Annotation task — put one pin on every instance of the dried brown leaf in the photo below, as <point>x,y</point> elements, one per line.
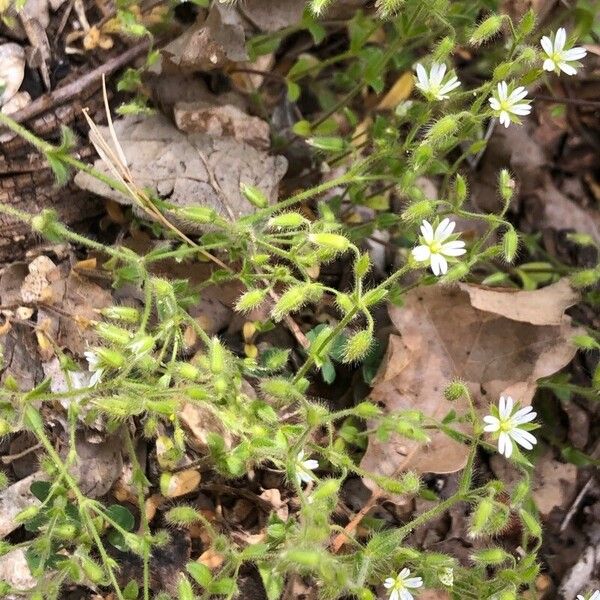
<point>443,337</point>
<point>161,157</point>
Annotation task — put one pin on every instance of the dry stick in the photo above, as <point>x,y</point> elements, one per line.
<point>63,94</point>
<point>340,539</point>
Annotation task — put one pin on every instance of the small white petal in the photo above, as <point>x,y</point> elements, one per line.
<point>452,249</point>
<point>574,53</point>
<point>549,65</point>
<point>437,73</point>
<point>524,415</point>
<point>566,68</point>
<point>427,231</point>
<point>510,404</point>
<point>502,90</point>
<point>494,103</point>
<point>405,572</point>
<point>389,582</point>
<point>508,446</point>
<point>444,230</point>
<point>521,109</point>
<point>406,595</point>
<point>595,595</point>
<point>491,419</point>
<point>442,263</point>
<point>517,94</point>
<point>311,464</point>
<point>546,43</point>
<point>504,118</point>
<point>560,39</point>
<point>395,595</point>
<point>422,76</point>
<point>524,438</point>
<point>421,253</point>
<point>413,582</point>
<point>502,442</point>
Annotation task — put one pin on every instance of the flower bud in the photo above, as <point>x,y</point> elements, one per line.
<point>585,278</point>
<point>417,211</point>
<point>254,196</point>
<point>486,30</point>
<point>362,265</point>
<point>358,346</point>
<point>333,241</point>
<point>345,302</point>
<point>444,49</point>
<point>443,129</point>
<point>294,298</point>
<point>510,244</point>
<point>481,516</point>
<point>114,334</point>
<point>289,220</point>
<point>506,185</point>
<point>581,239</point>
<point>422,155</point>
<point>279,388</point>
<point>26,514</point>
<point>93,571</point>
<point>328,144</point>
<point>491,556</point>
<point>374,296</point>
<point>456,390</point>
<point>456,273</point>
<point>110,358</point>
<point>184,588</point>
<point>318,6</point>
<point>198,214</point>
<point>310,559</point>
<point>187,371</point>
<point>121,313</point>
<point>250,300</point>
<point>217,356</point>
<point>460,189</point>
<point>531,523</point>
<point>366,410</point>
<point>585,342</point>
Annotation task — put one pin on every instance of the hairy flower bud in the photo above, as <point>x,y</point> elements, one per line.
<point>358,346</point>
<point>121,313</point>
<point>510,244</point>
<point>332,241</point>
<point>486,30</point>
<point>417,211</point>
<point>288,220</point>
<point>250,300</point>
<point>254,196</point>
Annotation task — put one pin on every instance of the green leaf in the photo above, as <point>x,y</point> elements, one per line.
<point>273,582</point>
<point>200,573</point>
<point>121,516</point>
<point>40,489</point>
<point>328,371</point>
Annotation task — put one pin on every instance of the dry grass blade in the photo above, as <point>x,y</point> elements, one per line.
<point>116,161</point>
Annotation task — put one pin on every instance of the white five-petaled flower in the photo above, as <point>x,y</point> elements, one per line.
<point>304,468</point>
<point>94,366</point>
<point>433,84</point>
<point>557,58</point>
<point>594,596</point>
<point>508,424</point>
<point>400,585</point>
<point>434,247</point>
<point>509,107</point>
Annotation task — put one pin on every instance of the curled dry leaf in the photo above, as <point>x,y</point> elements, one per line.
<point>272,15</point>
<point>12,70</point>
<point>211,45</point>
<point>161,157</point>
<point>493,340</point>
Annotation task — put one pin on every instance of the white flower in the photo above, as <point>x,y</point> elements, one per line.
<point>594,596</point>
<point>94,366</point>
<point>304,468</point>
<point>557,58</point>
<point>509,106</point>
<point>399,585</point>
<point>432,84</point>
<point>508,424</point>
<point>434,247</point>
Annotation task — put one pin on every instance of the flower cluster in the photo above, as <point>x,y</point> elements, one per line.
<point>508,102</point>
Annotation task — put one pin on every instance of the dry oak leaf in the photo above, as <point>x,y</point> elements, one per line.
<point>493,339</point>
<point>272,15</point>
<point>162,158</point>
<point>212,44</point>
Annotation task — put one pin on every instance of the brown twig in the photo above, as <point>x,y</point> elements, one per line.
<point>63,94</point>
